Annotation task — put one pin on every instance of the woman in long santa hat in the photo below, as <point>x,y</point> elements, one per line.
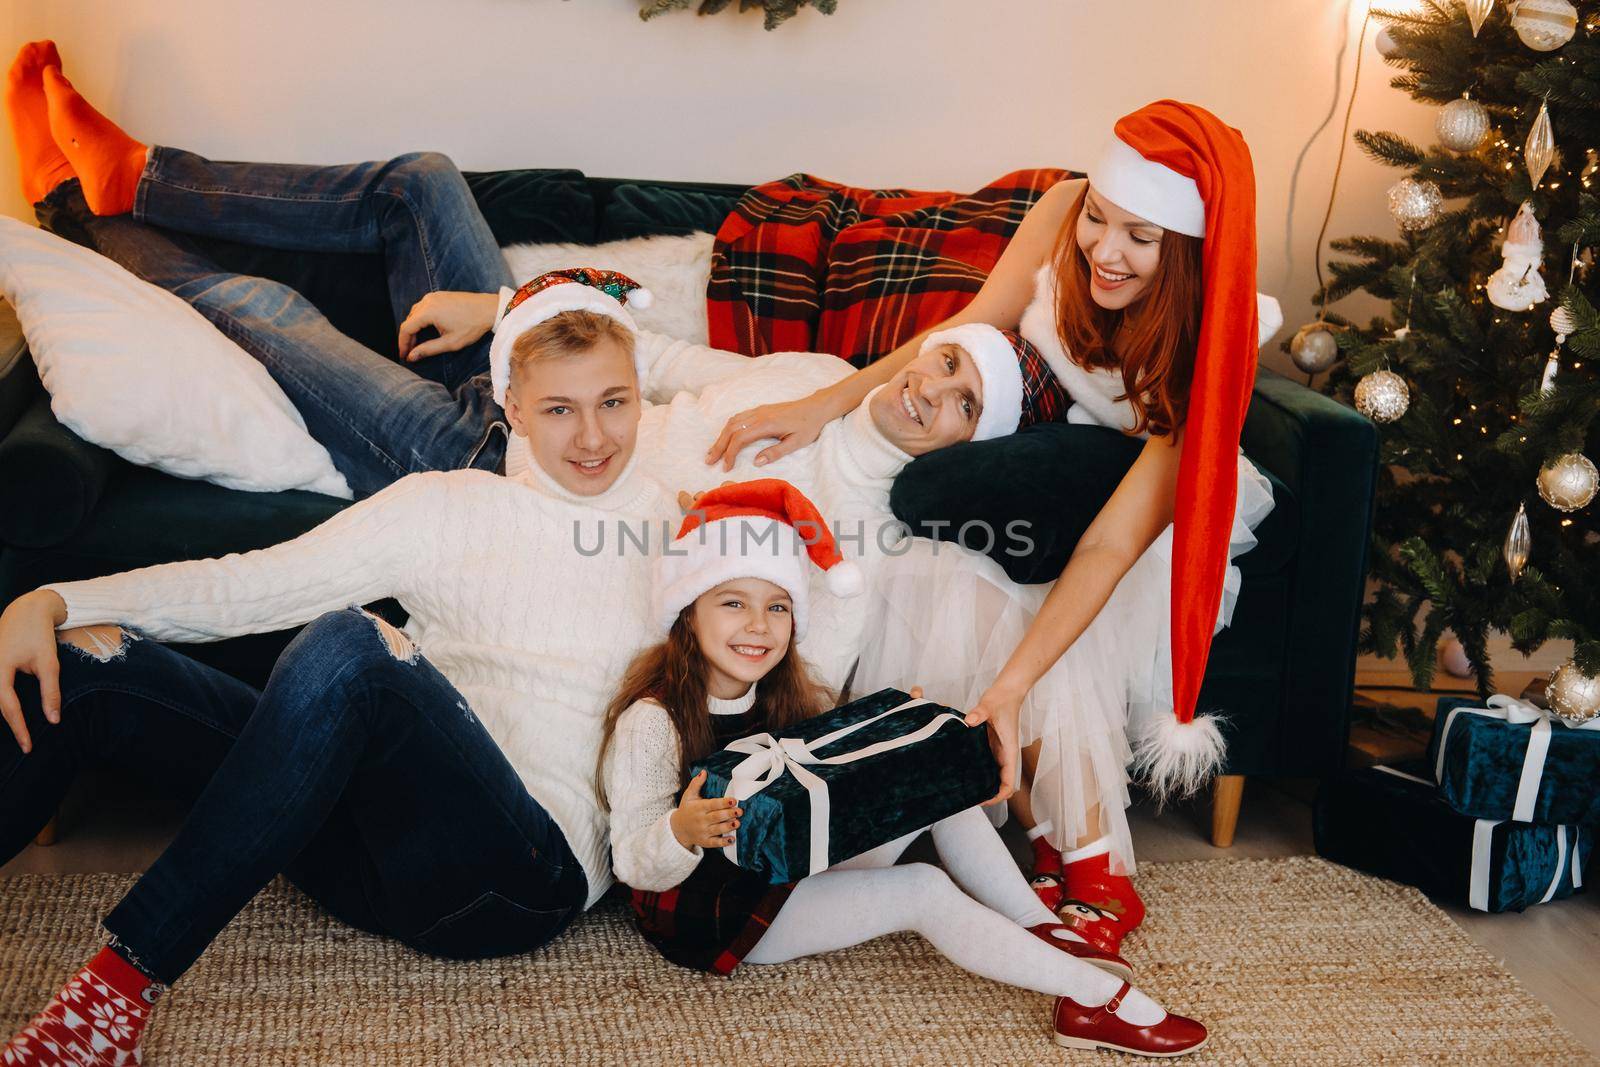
<point>1138,288</point>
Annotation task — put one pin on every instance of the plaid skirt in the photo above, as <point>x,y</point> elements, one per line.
<point>712,920</point>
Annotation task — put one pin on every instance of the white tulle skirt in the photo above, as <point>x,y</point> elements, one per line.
<point>947,619</point>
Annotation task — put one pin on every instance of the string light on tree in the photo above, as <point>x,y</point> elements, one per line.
<point>1415,205</point>
<point>1462,124</point>
<point>1544,25</point>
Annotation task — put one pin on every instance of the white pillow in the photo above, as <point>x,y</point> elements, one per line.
<point>131,367</point>
<point>675,269</point>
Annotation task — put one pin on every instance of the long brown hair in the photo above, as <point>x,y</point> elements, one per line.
<point>1153,339</point>
<point>673,674</point>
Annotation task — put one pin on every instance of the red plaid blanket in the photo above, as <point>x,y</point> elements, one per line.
<point>804,264</point>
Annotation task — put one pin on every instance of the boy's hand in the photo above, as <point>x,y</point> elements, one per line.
<point>460,319</point>
<point>704,822</point>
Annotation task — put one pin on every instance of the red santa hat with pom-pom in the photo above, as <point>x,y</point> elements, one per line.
<point>1184,169</point>
<point>760,529</point>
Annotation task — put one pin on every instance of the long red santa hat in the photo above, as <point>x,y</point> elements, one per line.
<point>1182,168</point>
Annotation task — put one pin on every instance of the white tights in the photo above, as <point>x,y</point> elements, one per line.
<point>984,932</point>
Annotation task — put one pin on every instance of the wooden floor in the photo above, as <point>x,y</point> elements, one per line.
<point>1552,949</point>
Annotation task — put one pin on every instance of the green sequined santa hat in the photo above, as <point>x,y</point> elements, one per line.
<point>605,292</point>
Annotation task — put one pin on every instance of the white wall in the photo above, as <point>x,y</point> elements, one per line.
<point>921,93</point>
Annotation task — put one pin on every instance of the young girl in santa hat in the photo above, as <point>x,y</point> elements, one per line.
<point>731,600</point>
<point>1138,288</point>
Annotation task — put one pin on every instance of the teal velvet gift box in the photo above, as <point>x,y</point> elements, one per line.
<point>1489,765</point>
<point>848,781</point>
<point>1389,821</point>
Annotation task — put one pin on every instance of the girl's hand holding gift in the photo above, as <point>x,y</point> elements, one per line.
<point>1000,710</point>
<point>704,822</point>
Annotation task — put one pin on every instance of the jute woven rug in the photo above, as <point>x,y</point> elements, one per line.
<point>1291,961</point>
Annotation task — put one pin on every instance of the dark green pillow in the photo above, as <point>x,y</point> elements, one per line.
<point>50,479</point>
<point>647,210</point>
<point>538,206</point>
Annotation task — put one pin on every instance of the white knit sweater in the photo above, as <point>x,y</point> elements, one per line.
<point>532,632</point>
<point>847,472</point>
<point>641,777</point>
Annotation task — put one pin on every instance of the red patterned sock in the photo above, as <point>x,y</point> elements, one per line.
<point>96,1020</point>
<point>1046,859</point>
<point>1087,876</point>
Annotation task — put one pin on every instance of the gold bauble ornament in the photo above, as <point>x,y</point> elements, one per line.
<point>1314,348</point>
<point>1568,482</point>
<point>1540,150</point>
<point>1545,25</point>
<point>1574,697</point>
<point>1382,396</point>
<point>1462,124</point>
<point>1477,12</point>
<point>1415,205</point>
<point>1519,543</point>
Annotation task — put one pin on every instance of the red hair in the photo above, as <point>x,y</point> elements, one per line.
<point>1153,340</point>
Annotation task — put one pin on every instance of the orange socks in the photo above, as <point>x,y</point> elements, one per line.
<point>107,160</point>
<point>43,165</point>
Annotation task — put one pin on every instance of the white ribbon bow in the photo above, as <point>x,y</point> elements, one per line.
<point>768,758</point>
<point>1517,713</point>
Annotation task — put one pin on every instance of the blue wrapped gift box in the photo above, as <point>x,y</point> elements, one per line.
<point>848,781</point>
<point>1389,821</point>
<point>1509,760</point>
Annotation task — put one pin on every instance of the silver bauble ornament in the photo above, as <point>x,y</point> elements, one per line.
<point>1574,698</point>
<point>1545,25</point>
<point>1382,396</point>
<point>1540,150</point>
<point>1562,322</point>
<point>1462,124</point>
<point>1477,11</point>
<point>1519,543</point>
<point>1387,46</point>
<point>1314,348</point>
<point>1453,657</point>
<point>1415,205</point>
<point>1568,482</point>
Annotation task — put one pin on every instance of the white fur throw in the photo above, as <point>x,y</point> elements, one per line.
<point>676,270</point>
<point>132,368</point>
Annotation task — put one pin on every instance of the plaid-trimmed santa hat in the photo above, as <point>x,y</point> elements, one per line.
<point>1179,166</point>
<point>1019,388</point>
<point>758,529</point>
<point>606,292</point>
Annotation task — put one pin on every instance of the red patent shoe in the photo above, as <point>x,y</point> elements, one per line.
<point>1079,1027</point>
<point>1058,936</point>
<point>1099,927</point>
<point>1047,887</point>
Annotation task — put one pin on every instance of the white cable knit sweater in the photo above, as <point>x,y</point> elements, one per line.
<point>847,472</point>
<point>641,777</point>
<point>533,633</point>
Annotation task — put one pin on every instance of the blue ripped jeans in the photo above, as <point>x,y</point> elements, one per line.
<point>359,771</point>
<point>379,419</point>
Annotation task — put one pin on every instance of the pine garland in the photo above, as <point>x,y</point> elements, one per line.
<point>1468,451</point>
<point>777,11</point>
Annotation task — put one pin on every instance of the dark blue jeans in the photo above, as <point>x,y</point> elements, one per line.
<point>359,772</point>
<point>379,419</point>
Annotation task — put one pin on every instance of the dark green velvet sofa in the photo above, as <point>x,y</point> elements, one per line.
<point>1282,673</point>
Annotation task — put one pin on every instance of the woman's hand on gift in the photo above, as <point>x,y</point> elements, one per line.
<point>459,318</point>
<point>704,822</point>
<point>999,709</point>
<point>28,645</point>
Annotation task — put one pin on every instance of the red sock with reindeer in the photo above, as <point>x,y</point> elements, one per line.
<point>1101,906</point>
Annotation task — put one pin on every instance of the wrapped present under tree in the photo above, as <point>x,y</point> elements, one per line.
<point>1511,760</point>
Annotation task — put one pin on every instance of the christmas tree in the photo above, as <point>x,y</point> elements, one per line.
<point>1496,399</point>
